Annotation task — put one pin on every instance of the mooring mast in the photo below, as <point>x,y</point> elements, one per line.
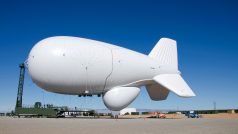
<point>20,85</point>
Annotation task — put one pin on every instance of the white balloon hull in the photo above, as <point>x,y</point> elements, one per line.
<point>71,65</point>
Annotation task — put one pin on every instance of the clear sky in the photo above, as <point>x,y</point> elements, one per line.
<point>206,33</point>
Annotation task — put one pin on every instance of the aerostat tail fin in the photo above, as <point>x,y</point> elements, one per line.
<point>165,52</point>
<point>174,83</point>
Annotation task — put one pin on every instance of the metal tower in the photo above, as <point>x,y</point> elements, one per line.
<point>20,85</point>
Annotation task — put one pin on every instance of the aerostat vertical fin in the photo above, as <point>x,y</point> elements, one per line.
<point>165,53</point>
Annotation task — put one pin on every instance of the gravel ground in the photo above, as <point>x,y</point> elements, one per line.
<point>119,126</point>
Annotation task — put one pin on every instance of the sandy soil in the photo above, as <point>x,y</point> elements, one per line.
<point>220,116</point>
<point>180,116</point>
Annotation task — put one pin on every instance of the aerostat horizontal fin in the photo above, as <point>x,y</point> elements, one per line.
<point>174,83</point>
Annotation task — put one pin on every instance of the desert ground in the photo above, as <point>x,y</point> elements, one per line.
<point>9,125</point>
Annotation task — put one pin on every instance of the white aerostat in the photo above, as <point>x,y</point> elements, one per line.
<point>84,67</point>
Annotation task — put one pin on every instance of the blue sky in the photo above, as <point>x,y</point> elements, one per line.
<point>206,33</point>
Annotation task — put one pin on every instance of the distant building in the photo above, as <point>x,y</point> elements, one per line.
<point>127,111</point>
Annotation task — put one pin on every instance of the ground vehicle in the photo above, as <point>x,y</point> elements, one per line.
<point>161,115</point>
<point>192,114</point>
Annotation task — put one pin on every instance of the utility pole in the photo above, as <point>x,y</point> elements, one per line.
<point>214,106</point>
<point>20,86</point>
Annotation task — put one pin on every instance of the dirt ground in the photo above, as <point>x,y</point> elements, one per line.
<point>180,116</point>
<point>220,116</point>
